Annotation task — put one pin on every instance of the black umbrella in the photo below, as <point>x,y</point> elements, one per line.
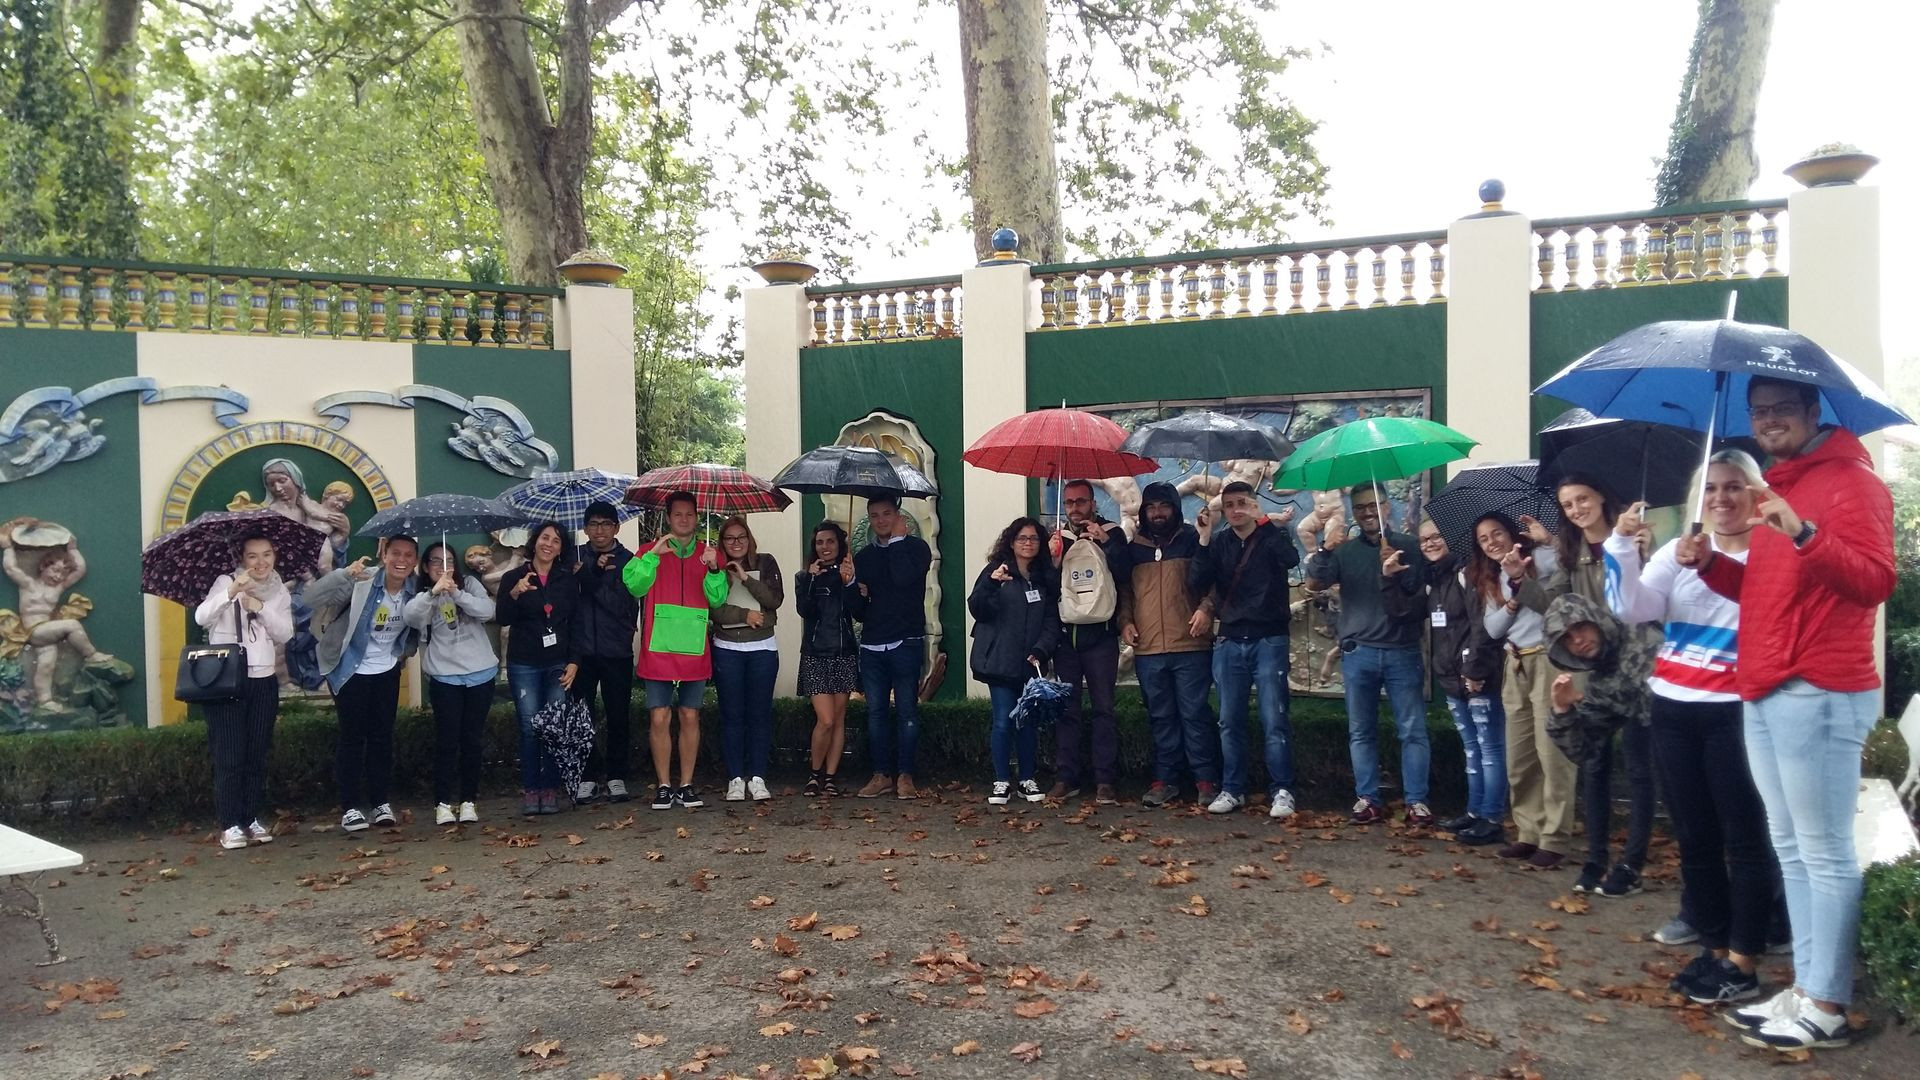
<point>1505,488</point>
<point>853,470</point>
<point>1201,435</point>
<point>1631,459</point>
<point>183,564</point>
<point>447,513</point>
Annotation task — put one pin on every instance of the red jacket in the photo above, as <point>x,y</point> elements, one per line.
<point>1808,613</point>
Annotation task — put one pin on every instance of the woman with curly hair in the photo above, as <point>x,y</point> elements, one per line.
<point>1015,605</point>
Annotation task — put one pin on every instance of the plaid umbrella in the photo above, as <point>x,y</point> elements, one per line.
<point>1507,488</point>
<point>721,489</point>
<point>448,513</point>
<point>565,496</point>
<point>182,565</point>
<point>565,731</point>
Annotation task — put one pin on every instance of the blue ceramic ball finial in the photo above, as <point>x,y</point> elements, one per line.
<point>1006,243</point>
<point>1492,192</point>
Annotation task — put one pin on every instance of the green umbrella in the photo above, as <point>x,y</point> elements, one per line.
<point>1374,449</point>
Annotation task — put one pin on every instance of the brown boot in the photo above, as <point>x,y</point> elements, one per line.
<point>1103,794</point>
<point>876,787</point>
<point>906,789</point>
<point>1061,792</point>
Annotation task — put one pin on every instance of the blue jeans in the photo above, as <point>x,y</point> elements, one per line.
<point>1239,666</point>
<point>892,678</point>
<point>1008,740</point>
<point>744,681</point>
<point>1366,670</point>
<point>1481,721</point>
<point>534,688</point>
<point>1804,746</point>
<point>1186,738</point>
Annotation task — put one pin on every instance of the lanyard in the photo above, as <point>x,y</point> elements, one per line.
<point>541,586</point>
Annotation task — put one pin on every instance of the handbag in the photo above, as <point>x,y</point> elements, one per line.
<point>212,672</point>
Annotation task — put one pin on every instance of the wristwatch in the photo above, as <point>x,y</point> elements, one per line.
<point>1805,535</point>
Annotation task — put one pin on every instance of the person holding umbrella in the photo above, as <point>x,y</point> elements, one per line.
<point>678,581</point>
<point>1090,650</point>
<point>1015,605</point>
<point>535,608</point>
<point>363,640</point>
<point>890,576</point>
<point>1816,573</point>
<point>829,651</point>
<point>251,607</point>
<point>451,613</point>
<point>603,628</point>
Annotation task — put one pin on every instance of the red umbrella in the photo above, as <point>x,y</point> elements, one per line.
<point>721,489</point>
<point>1066,443</point>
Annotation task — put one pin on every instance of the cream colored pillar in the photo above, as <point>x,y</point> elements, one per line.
<point>595,324</point>
<point>776,329</point>
<point>1489,326</point>
<point>993,387</point>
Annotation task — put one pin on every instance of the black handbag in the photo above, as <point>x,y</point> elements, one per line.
<point>212,672</point>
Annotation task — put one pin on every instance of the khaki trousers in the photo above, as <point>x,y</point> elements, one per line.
<point>1542,779</point>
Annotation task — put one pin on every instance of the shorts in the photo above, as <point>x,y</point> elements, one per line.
<point>662,695</point>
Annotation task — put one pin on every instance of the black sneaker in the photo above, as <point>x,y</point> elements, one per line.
<point>1590,877</point>
<point>663,798</point>
<point>688,797</point>
<point>1481,833</point>
<point>1722,983</point>
<point>1689,977</point>
<point>1457,824</point>
<point>1622,880</point>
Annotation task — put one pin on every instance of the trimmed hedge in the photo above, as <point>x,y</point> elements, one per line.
<point>1890,933</point>
<point>163,774</point>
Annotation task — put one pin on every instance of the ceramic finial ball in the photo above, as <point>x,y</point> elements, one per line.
<point>1005,240</point>
<point>1492,192</point>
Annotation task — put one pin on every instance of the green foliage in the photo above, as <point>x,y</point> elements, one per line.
<point>60,189</point>
<point>1890,933</point>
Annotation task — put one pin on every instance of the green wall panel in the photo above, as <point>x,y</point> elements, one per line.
<point>919,381</point>
<point>539,383</point>
<point>97,498</point>
<point>1567,325</point>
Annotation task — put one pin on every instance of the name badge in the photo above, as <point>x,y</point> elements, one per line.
<point>1033,596</point>
<point>1440,620</point>
<point>549,639</point>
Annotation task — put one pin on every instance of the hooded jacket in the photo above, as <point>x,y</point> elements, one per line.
<point>1616,691</point>
<point>1154,596</point>
<point>1808,613</point>
<point>1008,627</point>
<point>608,614</point>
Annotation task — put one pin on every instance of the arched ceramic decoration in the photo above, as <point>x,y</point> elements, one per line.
<point>48,425</point>
<point>493,432</point>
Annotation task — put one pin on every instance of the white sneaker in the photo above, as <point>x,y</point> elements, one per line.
<point>1807,1027</point>
<point>443,814</point>
<point>234,838</point>
<point>757,788</point>
<point>468,814</point>
<point>584,793</point>
<point>1002,791</point>
<point>259,833</point>
<point>383,815</point>
<point>617,790</point>
<point>736,790</point>
<point>1755,1016</point>
<point>1225,803</point>
<point>353,821</point>
<point>1282,806</point>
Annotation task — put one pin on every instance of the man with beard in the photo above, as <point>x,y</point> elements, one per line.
<point>1089,653</point>
<point>1173,664</point>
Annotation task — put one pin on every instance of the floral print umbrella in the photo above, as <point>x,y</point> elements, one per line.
<point>182,565</point>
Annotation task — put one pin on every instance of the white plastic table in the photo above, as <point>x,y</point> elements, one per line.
<point>22,855</point>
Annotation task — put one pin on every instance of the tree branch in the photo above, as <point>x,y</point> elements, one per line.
<point>380,59</point>
<point>601,13</point>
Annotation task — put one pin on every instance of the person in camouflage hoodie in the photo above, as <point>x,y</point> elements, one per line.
<point>1584,637</point>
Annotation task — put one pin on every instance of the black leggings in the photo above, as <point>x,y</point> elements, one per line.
<point>459,721</point>
<point>240,735</point>
<point>1596,797</point>
<point>1726,858</point>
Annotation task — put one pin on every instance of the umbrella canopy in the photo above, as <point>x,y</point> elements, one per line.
<point>1694,374</point>
<point>1632,459</point>
<point>722,489</point>
<point>1067,443</point>
<point>447,513</point>
<point>182,565</point>
<point>853,470</point>
<point>1208,436</point>
<point>1042,700</point>
<point>1373,449</point>
<point>564,729</point>
<point>1505,488</point>
<point>565,496</point>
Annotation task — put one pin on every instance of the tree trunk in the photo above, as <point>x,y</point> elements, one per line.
<point>1011,170</point>
<point>535,164</point>
<point>1710,157</point>
<point>118,59</point>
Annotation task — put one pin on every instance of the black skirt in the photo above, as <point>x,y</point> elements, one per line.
<point>828,675</point>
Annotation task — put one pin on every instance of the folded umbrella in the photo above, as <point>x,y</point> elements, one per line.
<point>564,730</point>
<point>721,489</point>
<point>1503,488</point>
<point>1370,450</point>
<point>182,565</point>
<point>1042,700</point>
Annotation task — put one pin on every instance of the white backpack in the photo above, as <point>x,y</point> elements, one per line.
<point>1086,585</point>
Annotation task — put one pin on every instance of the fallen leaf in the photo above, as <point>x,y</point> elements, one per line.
<point>681,833</point>
<point>971,1046</point>
<point>575,839</point>
<point>260,1055</point>
<point>760,902</point>
<point>200,931</point>
<point>1035,1009</point>
<point>841,933</point>
<point>775,1031</point>
<point>543,1050</point>
<point>1401,1052</point>
<point>642,1040</point>
<point>785,945</point>
<point>1234,1067</point>
<point>800,924</point>
<point>1027,1052</point>
<point>1298,1023</point>
<point>1572,905</point>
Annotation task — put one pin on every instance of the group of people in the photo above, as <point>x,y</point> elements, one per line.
<point>1546,649</point>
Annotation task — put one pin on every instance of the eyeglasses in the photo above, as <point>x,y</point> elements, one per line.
<point>1366,509</point>
<point>734,538</point>
<point>1026,539</point>
<point>1429,541</point>
<point>602,523</point>
<point>1781,410</point>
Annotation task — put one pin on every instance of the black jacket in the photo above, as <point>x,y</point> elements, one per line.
<point>1457,642</point>
<point>825,613</point>
<point>1087,635</point>
<point>529,619</point>
<point>603,625</point>
<point>1260,605</point>
<point>1008,627</point>
<point>894,607</point>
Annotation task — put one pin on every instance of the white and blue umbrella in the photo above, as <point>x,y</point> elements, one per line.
<point>565,496</point>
